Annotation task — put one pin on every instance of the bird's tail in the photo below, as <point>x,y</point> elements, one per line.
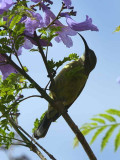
<point>42,129</point>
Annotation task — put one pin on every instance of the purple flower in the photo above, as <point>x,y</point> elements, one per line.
<point>5,5</point>
<point>65,32</point>
<point>27,44</point>
<point>33,23</point>
<point>36,1</point>
<point>42,42</point>
<point>6,69</point>
<point>19,51</point>
<point>47,19</point>
<point>83,26</point>
<point>118,80</point>
<point>67,3</point>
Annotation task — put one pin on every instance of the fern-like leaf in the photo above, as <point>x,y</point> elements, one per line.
<point>75,142</point>
<point>117,29</point>
<point>87,130</point>
<point>102,121</point>
<point>114,112</point>
<point>107,136</point>
<point>15,20</point>
<point>99,124</point>
<point>108,117</point>
<point>97,133</point>
<point>117,141</point>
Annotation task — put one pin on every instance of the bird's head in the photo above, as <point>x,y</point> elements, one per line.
<point>88,57</point>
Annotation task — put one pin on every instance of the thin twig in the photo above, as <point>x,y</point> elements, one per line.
<point>32,139</point>
<point>29,144</point>
<point>16,103</point>
<point>19,61</point>
<point>19,144</point>
<point>47,85</point>
<point>36,38</point>
<point>28,98</point>
<point>56,17</point>
<point>47,52</point>
<point>13,138</point>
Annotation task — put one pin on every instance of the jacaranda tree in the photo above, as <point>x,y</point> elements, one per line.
<point>31,27</point>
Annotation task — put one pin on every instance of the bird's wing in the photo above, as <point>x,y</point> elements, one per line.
<point>67,106</point>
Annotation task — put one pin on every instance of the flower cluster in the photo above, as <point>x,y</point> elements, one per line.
<point>34,21</point>
<point>5,68</point>
<point>5,5</point>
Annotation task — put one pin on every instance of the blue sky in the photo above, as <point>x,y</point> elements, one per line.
<point>100,93</point>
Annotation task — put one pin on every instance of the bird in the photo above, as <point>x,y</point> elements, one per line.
<point>69,84</point>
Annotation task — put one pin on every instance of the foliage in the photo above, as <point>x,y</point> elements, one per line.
<point>21,26</point>
<point>52,64</point>
<point>105,123</point>
<point>10,96</point>
<point>37,122</point>
<point>117,29</point>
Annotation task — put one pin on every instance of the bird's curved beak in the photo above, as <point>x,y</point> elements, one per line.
<point>86,45</point>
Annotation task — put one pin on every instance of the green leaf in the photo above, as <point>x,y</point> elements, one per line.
<point>15,20</point>
<point>19,29</point>
<point>2,22</point>
<point>4,41</point>
<point>94,124</point>
<point>98,120</point>
<point>117,141</point>
<point>34,50</point>
<point>43,115</point>
<point>108,117</point>
<point>3,33</point>
<point>37,122</point>
<point>75,142</point>
<point>73,56</point>
<point>87,130</point>
<point>117,29</point>
<point>97,133</point>
<point>107,136</point>
<point>114,112</point>
<point>19,42</point>
<point>7,49</point>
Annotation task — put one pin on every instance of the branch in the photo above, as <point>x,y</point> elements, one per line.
<point>12,138</point>
<point>60,108</point>
<point>79,135</point>
<point>36,38</point>
<point>32,139</point>
<point>37,86</point>
<point>40,90</point>
<point>56,16</point>
<point>28,98</point>
<point>19,61</point>
<point>29,144</point>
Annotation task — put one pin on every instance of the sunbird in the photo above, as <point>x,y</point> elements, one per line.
<point>69,84</point>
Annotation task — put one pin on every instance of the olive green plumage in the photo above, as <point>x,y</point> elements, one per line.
<point>69,83</point>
